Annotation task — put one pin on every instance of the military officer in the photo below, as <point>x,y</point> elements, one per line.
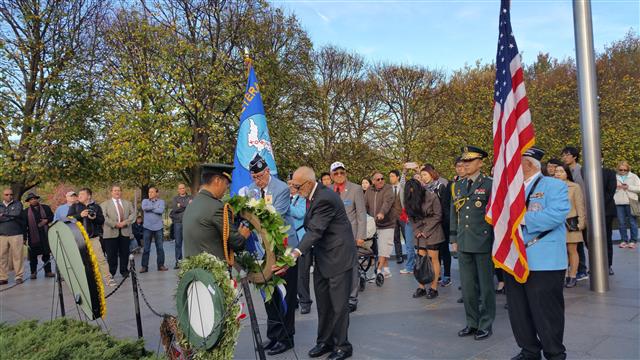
<point>203,220</point>
<point>472,238</point>
<point>536,307</point>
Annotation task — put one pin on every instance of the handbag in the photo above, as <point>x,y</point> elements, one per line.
<point>635,207</point>
<point>423,270</point>
<point>572,224</point>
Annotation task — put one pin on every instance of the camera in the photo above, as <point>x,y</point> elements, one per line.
<point>91,211</point>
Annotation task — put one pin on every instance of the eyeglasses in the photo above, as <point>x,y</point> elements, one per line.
<point>378,179</point>
<point>339,173</point>
<point>8,194</point>
<point>623,170</point>
<point>297,186</point>
<point>259,175</point>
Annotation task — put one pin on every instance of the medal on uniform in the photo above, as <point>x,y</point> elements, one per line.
<point>478,203</point>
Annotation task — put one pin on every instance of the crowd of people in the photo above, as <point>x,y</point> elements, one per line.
<point>438,219</point>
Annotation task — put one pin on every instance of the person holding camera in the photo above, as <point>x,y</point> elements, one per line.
<point>90,215</point>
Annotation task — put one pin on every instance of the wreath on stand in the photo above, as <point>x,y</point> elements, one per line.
<point>178,337</point>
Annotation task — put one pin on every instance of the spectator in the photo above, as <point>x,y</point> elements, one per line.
<point>609,190</point>
<point>627,190</point>
<point>353,200</point>
<point>90,214</point>
<point>570,156</point>
<point>11,237</point>
<point>424,210</point>
<point>398,191</point>
<point>550,167</point>
<point>178,205</point>
<point>37,218</point>
<point>366,184</point>
<point>153,208</point>
<point>435,184</point>
<point>379,201</point>
<point>325,179</point>
<point>118,218</point>
<point>575,222</point>
<point>62,210</point>
<point>138,233</point>
<point>409,243</point>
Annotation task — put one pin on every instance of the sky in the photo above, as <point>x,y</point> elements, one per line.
<point>447,34</point>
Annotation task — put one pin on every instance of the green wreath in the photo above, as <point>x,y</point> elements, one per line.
<point>269,224</point>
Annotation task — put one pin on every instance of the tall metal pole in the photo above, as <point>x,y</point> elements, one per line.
<point>590,125</point>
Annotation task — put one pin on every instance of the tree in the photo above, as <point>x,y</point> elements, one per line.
<point>47,93</point>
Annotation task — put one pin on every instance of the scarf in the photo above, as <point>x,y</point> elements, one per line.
<point>433,186</point>
<point>34,234</point>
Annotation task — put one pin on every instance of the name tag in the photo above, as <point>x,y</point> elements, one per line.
<point>268,199</point>
<point>347,202</point>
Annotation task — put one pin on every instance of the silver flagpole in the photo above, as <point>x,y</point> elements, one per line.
<point>590,124</point>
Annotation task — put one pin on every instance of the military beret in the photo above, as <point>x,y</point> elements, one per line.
<point>472,153</point>
<point>217,169</point>
<point>535,153</point>
<point>258,164</point>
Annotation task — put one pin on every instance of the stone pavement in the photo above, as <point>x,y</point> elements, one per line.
<point>389,324</point>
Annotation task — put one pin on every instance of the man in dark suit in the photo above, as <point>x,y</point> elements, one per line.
<point>609,186</point>
<point>328,230</point>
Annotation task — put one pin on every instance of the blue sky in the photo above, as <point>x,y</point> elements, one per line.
<point>447,34</point>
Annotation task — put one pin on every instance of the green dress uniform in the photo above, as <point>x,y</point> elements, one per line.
<point>474,237</point>
<point>202,223</point>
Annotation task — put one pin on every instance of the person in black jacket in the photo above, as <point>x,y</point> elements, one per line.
<point>37,218</point>
<point>609,187</point>
<point>328,230</point>
<point>89,214</point>
<point>138,233</point>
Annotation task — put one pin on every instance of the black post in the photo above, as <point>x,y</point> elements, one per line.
<point>136,301</point>
<point>252,316</point>
<point>59,280</point>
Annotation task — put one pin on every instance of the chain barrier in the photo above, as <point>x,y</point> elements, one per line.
<point>144,298</point>
<point>117,287</point>
<point>25,280</point>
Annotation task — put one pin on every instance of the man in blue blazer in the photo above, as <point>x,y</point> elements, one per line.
<point>536,308</point>
<point>281,321</point>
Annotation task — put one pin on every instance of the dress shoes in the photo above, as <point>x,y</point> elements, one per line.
<point>319,350</point>
<point>33,276</point>
<point>163,268</point>
<point>143,270</point>
<point>522,356</point>
<point>482,334</point>
<point>468,331</point>
<point>18,281</point>
<point>4,282</point>
<point>49,274</point>
<point>279,348</point>
<point>353,307</point>
<point>339,355</point>
<point>268,345</point>
<point>305,309</point>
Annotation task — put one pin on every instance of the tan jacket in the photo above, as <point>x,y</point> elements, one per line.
<point>109,230</point>
<point>576,200</point>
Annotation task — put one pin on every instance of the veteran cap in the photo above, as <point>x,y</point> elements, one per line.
<point>472,153</point>
<point>535,153</point>
<point>337,165</point>
<point>31,195</point>
<point>217,169</point>
<point>258,164</point>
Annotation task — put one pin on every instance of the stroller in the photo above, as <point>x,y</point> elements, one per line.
<point>368,257</point>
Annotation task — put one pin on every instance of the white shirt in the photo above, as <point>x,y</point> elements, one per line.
<point>117,202</point>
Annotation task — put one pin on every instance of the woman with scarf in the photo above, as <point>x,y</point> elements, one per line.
<point>37,218</point>
<point>425,213</point>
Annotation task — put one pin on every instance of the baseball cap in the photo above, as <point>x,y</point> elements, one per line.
<point>336,165</point>
<point>71,193</point>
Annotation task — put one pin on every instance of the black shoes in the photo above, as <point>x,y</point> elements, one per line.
<point>420,292</point>
<point>468,331</point>
<point>353,307</point>
<point>305,308</point>
<point>521,356</point>
<point>432,293</point>
<point>611,273</point>
<point>460,301</point>
<point>279,348</point>
<point>269,345</point>
<point>319,350</point>
<point>482,334</point>
<point>143,270</point>
<point>339,355</point>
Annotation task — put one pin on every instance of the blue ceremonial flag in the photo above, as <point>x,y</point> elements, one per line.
<point>253,136</point>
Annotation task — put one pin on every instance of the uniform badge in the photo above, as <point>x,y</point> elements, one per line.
<point>538,195</point>
<point>535,206</point>
<point>268,199</point>
<point>478,203</point>
<point>480,191</point>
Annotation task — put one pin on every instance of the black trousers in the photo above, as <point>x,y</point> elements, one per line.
<point>117,249</point>
<point>582,260</point>
<point>281,327</point>
<point>33,259</point>
<point>499,274</point>
<point>536,313</point>
<point>304,276</point>
<point>609,230</point>
<point>397,243</point>
<point>444,256</point>
<point>332,300</point>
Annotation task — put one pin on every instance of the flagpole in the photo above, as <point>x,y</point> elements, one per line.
<point>590,125</point>
<point>247,60</point>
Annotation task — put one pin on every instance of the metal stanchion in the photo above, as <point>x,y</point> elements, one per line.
<point>252,315</point>
<point>136,301</point>
<point>59,280</point>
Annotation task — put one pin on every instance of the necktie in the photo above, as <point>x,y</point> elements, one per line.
<point>308,203</point>
<point>395,190</point>
<point>120,211</point>
<point>469,184</point>
<point>262,193</point>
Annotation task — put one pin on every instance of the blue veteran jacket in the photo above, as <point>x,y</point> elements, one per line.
<point>298,210</point>
<point>547,210</point>
<point>277,194</point>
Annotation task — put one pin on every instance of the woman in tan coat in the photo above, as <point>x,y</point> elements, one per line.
<point>575,223</point>
<point>425,212</point>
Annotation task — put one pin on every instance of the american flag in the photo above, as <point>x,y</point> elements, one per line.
<point>512,135</point>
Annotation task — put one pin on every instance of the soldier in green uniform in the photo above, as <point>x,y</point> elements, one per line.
<point>202,220</point>
<point>472,238</point>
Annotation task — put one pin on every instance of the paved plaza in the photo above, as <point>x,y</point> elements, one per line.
<point>389,324</point>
